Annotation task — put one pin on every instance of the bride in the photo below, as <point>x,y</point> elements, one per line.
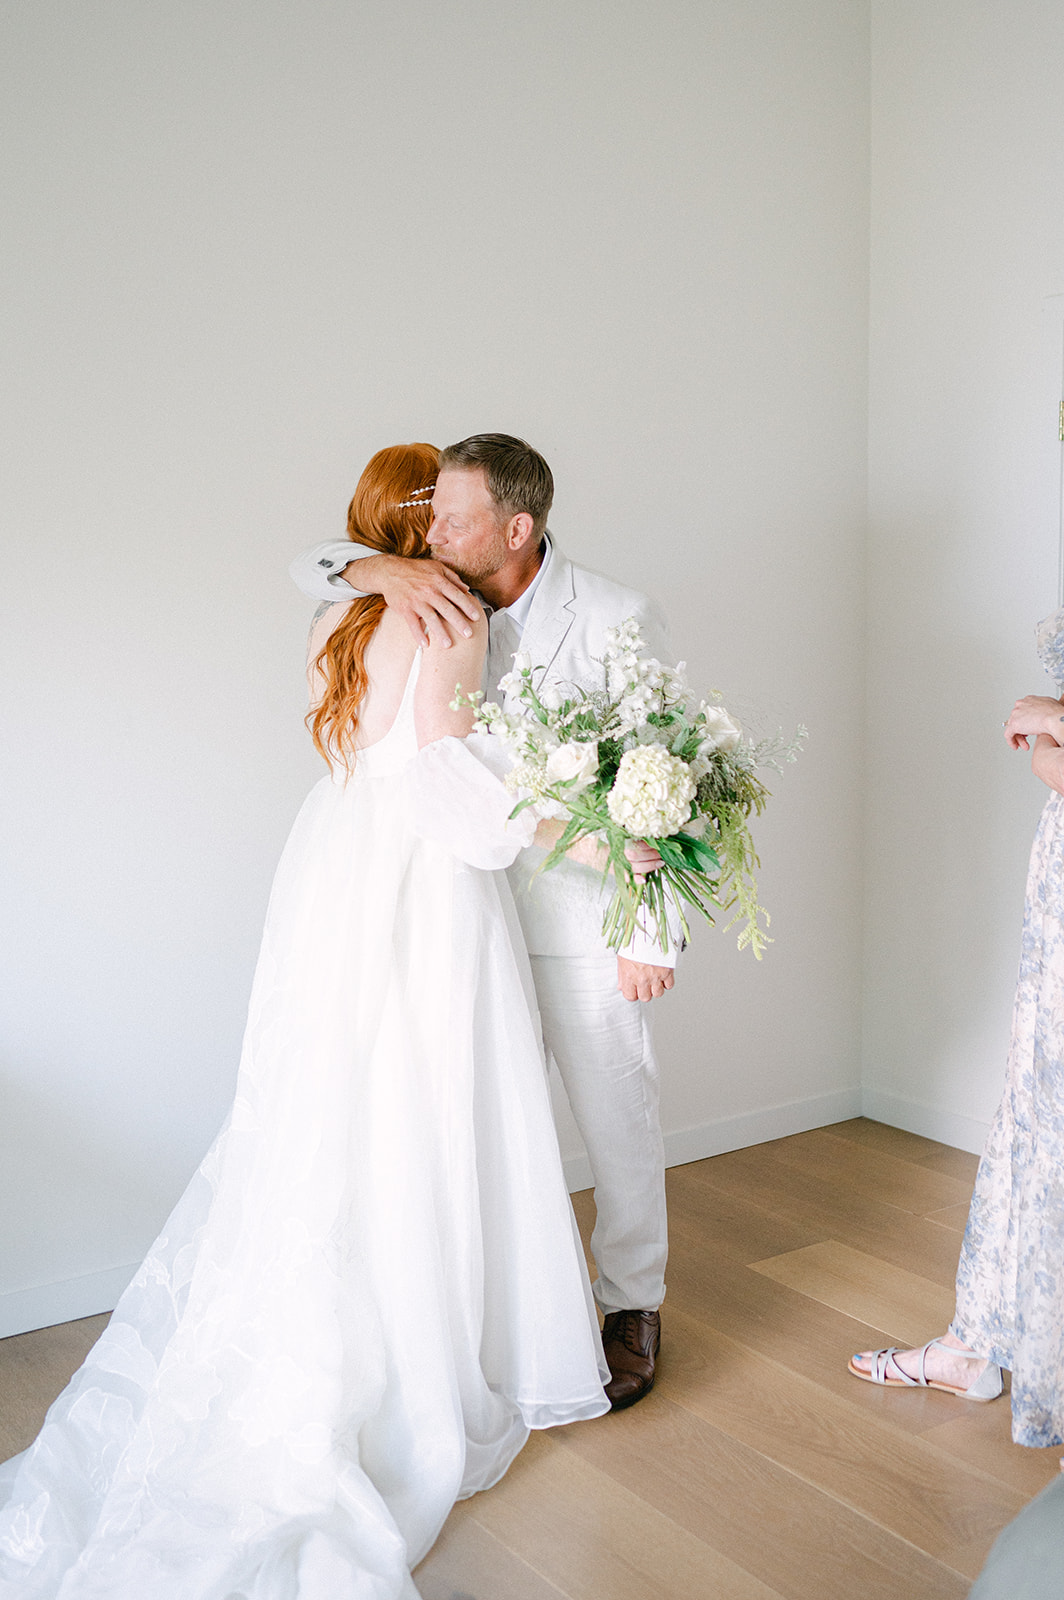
<point>372,1288</point>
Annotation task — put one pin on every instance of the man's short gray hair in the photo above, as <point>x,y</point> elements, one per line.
<point>517,476</point>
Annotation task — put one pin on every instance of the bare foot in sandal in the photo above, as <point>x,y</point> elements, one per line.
<point>943,1363</point>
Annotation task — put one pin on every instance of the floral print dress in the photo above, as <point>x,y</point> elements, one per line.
<point>1010,1281</point>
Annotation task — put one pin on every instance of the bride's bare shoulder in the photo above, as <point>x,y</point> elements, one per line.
<point>445,670</point>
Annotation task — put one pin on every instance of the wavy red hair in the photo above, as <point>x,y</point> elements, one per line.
<point>378,519</point>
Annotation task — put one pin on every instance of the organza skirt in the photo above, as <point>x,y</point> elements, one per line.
<point>373,1287</point>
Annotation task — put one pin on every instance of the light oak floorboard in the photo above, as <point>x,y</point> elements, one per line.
<point>801,1335</point>
<point>813,1199</point>
<point>875,1174</point>
<point>469,1563</point>
<point>981,1436</point>
<point>953,1217</point>
<point>908,1146</point>
<point>34,1368</point>
<point>898,1481</point>
<point>783,1529</point>
<point>593,1537</point>
<point>901,1304</point>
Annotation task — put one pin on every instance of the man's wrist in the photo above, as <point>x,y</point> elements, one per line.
<point>367,572</point>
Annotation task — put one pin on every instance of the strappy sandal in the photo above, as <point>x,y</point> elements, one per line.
<point>886,1371</point>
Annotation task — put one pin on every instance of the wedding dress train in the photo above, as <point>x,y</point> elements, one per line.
<point>372,1288</point>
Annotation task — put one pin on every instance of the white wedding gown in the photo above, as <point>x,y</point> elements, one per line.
<point>372,1288</point>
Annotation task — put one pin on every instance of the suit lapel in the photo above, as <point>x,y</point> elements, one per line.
<point>550,616</point>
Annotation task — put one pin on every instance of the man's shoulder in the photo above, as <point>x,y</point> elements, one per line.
<point>604,593</point>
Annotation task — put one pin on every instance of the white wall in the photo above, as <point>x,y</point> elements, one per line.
<point>250,244</point>
<point>967,241</point>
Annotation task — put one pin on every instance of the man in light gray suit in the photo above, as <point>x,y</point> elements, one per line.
<point>489,533</point>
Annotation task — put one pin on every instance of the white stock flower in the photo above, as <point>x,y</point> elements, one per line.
<point>575,763</point>
<point>721,732</point>
<point>652,793</point>
<point>512,682</point>
<point>636,706</point>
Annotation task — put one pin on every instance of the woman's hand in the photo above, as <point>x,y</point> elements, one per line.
<point>1033,715</point>
<point>1047,762</point>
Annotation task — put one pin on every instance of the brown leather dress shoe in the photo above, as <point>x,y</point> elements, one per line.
<point>630,1341</point>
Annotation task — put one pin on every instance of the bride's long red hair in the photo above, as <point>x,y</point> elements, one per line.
<point>378,519</point>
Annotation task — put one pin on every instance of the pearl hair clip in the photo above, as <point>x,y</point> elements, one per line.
<point>417,500</point>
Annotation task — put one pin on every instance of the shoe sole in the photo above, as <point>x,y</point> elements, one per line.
<point>632,1399</point>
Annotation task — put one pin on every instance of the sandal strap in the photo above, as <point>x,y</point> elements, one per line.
<point>882,1363</point>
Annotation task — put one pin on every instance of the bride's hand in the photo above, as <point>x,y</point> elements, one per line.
<point>1034,714</point>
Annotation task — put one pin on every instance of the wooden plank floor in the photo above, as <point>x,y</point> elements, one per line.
<point>758,1468</point>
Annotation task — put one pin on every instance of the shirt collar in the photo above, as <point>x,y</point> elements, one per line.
<point>518,612</point>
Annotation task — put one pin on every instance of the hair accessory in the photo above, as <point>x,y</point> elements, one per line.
<point>417,500</point>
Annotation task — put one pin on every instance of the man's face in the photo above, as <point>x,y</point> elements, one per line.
<point>466,530</point>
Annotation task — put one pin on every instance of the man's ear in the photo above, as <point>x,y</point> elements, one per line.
<point>519,531</point>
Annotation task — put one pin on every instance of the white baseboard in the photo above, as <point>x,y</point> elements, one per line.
<point>948,1127</point>
<point>22,1310</point>
<point>737,1133</point>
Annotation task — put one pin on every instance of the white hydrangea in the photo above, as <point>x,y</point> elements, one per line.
<point>652,793</point>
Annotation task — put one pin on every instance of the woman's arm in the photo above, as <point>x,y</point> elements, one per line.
<point>1032,716</point>
<point>327,618</point>
<point>446,666</point>
<point>1047,762</point>
<point>590,853</point>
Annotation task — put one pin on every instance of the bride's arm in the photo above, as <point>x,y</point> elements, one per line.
<point>445,668</point>
<point>590,853</point>
<point>325,620</point>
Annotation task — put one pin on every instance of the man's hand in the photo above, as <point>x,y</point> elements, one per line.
<point>644,859</point>
<point>638,981</point>
<point>430,597</point>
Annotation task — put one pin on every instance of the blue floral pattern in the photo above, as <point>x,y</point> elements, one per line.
<point>1049,642</point>
<point>1010,1281</point>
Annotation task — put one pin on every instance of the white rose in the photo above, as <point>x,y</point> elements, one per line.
<point>575,763</point>
<point>721,732</point>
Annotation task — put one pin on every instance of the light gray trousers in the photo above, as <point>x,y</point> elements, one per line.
<point>601,1045</point>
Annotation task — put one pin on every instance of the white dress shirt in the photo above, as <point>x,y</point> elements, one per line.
<point>506,627</point>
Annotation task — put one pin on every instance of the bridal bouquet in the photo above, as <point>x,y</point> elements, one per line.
<point>635,759</point>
